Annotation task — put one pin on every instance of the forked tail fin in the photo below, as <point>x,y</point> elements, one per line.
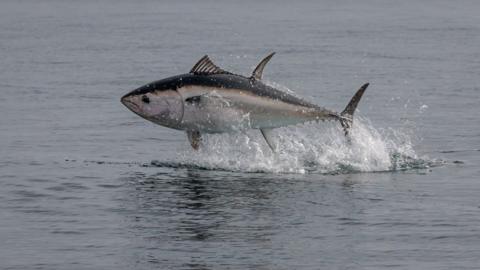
<point>347,114</point>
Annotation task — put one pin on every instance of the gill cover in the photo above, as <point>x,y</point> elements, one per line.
<point>166,108</point>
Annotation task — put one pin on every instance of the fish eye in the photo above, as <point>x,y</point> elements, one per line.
<point>145,99</point>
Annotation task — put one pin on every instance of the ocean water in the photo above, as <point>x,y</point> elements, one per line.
<point>86,184</point>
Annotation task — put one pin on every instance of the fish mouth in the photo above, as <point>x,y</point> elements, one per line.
<point>130,105</point>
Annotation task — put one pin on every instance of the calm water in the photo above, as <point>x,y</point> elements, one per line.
<point>86,184</point>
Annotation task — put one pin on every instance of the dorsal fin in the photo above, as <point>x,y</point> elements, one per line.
<point>205,66</point>
<point>257,73</point>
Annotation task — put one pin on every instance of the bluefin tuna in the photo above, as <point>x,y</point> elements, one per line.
<point>209,99</point>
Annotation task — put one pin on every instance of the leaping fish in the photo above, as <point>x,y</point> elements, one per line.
<point>209,99</point>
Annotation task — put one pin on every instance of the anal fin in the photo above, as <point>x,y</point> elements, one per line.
<point>195,138</point>
<point>268,135</point>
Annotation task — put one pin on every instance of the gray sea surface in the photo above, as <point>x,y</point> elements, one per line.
<point>86,184</point>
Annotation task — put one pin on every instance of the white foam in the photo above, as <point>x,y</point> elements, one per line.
<point>318,147</point>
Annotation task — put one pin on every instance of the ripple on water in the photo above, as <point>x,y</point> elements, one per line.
<point>39,180</point>
<point>69,186</point>
<point>67,232</point>
<point>28,194</point>
<point>110,186</point>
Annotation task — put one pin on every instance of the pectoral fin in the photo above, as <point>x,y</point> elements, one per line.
<point>195,138</point>
<point>208,100</point>
<point>268,135</point>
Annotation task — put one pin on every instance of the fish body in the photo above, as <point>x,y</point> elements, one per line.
<point>209,99</point>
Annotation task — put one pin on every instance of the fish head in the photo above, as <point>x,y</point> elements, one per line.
<point>158,103</point>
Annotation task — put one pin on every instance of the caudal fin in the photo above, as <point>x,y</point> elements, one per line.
<point>347,114</point>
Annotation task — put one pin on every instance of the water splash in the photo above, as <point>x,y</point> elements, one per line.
<point>307,148</point>
<point>315,147</point>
